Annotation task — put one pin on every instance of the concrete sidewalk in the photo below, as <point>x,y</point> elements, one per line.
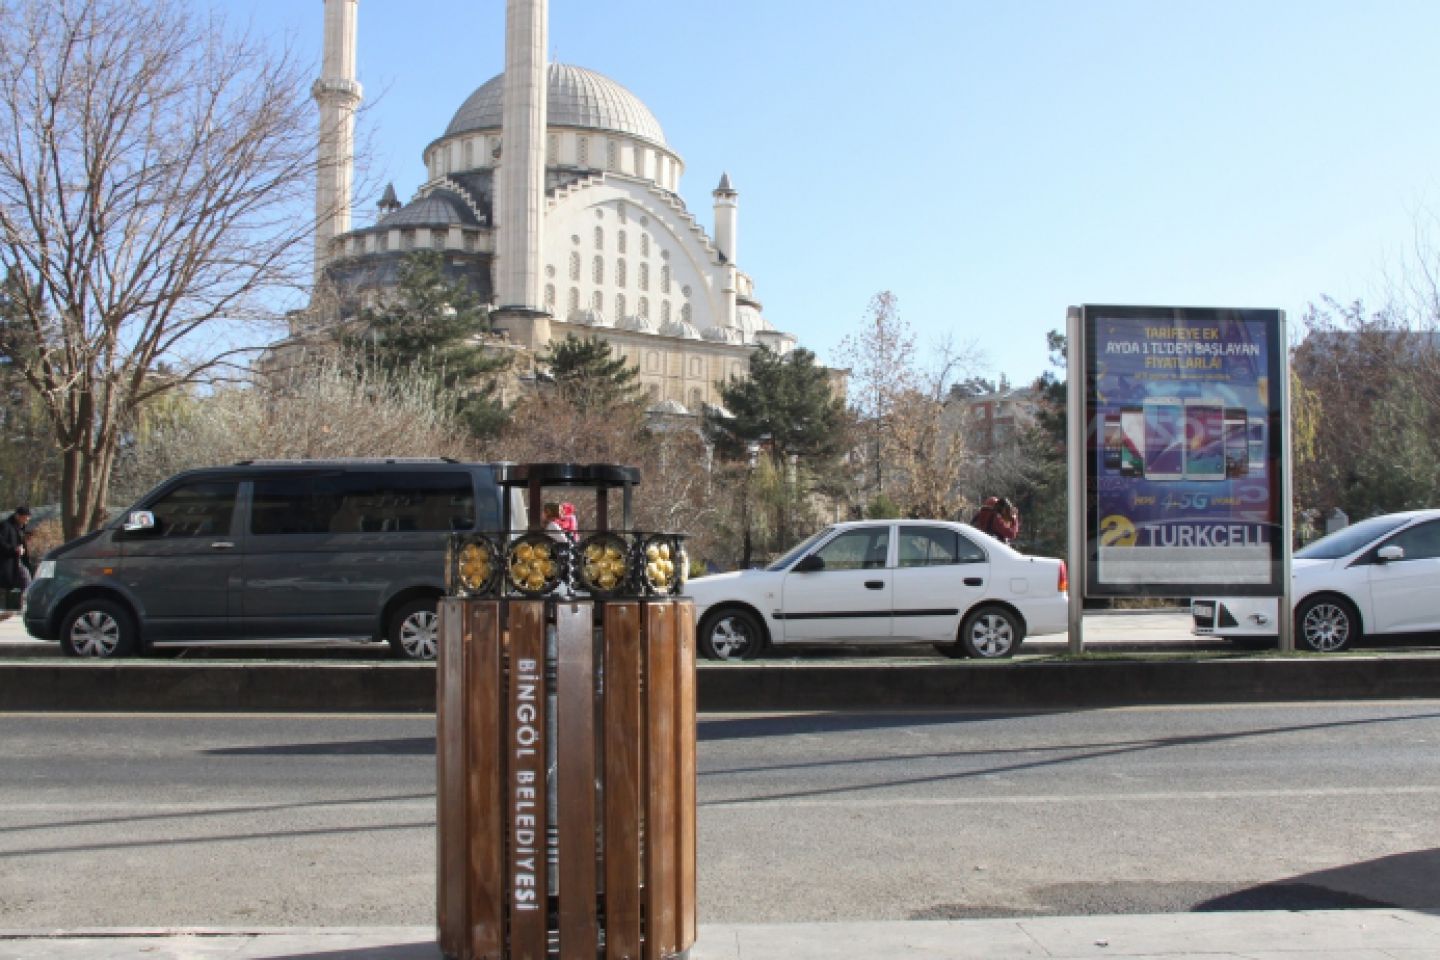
<point>1307,935</point>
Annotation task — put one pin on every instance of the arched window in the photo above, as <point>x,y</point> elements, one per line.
<point>697,399</point>
<point>612,155</point>
<point>574,303</point>
<point>598,270</point>
<point>644,244</point>
<point>599,238</point>
<point>665,278</point>
<point>664,311</point>
<point>597,301</point>
<point>550,297</point>
<point>644,308</point>
<point>582,152</point>
<point>644,275</point>
<point>619,307</point>
<point>620,272</point>
<point>574,265</point>
<point>620,239</point>
<point>685,313</point>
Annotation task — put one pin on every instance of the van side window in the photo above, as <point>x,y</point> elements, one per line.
<point>196,510</point>
<point>363,502</point>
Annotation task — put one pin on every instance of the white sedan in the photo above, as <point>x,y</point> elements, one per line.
<point>886,581</point>
<point>1378,576</point>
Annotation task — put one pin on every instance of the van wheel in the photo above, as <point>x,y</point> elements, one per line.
<point>98,628</point>
<point>415,630</point>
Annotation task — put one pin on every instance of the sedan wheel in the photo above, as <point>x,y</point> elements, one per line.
<point>98,628</point>
<point>414,631</point>
<point>731,635</point>
<point>991,633</point>
<point>1325,625</point>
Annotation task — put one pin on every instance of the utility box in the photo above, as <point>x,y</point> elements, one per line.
<point>566,736</point>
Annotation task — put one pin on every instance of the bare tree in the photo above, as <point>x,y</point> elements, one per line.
<point>154,177</point>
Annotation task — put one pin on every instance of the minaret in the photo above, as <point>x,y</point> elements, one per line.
<point>338,94</point>
<point>727,217</point>
<point>520,217</point>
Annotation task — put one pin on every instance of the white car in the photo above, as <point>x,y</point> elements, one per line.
<point>886,581</point>
<point>1378,576</point>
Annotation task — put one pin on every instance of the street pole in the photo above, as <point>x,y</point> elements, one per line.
<point>1075,514</point>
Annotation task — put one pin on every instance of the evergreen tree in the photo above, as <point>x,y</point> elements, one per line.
<point>787,400</point>
<point>588,376</point>
<point>433,326</point>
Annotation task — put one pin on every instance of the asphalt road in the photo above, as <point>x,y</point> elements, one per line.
<point>281,820</point>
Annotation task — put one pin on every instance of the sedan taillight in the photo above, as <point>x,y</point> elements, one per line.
<point>1064,579</point>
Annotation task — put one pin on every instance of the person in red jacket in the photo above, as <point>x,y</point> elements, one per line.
<point>999,518</point>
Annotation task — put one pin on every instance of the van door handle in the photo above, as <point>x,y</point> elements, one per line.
<point>874,584</point>
<point>222,545</point>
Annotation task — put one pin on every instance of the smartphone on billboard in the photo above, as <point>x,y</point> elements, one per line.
<point>1256,444</point>
<point>1237,442</point>
<point>1132,435</point>
<point>1114,442</point>
<point>1164,438</point>
<point>1204,440</point>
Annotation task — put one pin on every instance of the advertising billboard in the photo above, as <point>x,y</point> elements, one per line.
<point>1183,464</point>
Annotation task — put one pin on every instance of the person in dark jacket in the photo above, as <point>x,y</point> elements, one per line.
<point>999,518</point>
<point>14,563</point>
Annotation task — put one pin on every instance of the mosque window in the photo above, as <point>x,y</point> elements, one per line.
<point>574,302</point>
<point>644,276</point>
<point>619,306</point>
<point>620,272</point>
<point>550,297</point>
<point>665,278</point>
<point>620,240</point>
<point>597,271</point>
<point>494,150</point>
<point>654,389</point>
<point>574,265</point>
<point>644,244</point>
<point>685,313</point>
<point>664,311</point>
<point>644,308</point>
<point>599,238</point>
<point>612,155</point>
<point>438,237</point>
<point>407,239</point>
<point>597,302</point>
<point>620,212</point>
<point>552,147</point>
<point>469,241</point>
<point>575,239</point>
<point>652,360</point>
<point>685,291</point>
<point>382,242</point>
<point>696,368</point>
<point>469,154</point>
<point>697,398</point>
<point>550,270</point>
<point>582,152</point>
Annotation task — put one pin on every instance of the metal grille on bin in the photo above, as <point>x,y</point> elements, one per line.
<point>566,721</point>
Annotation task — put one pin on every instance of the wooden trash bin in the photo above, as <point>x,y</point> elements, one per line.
<point>566,744</point>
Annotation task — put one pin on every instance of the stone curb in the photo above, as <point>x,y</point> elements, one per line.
<point>344,687</point>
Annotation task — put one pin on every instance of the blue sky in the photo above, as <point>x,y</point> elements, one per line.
<point>989,163</point>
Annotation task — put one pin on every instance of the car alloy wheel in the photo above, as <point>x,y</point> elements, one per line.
<point>730,635</point>
<point>1326,626</point>
<point>990,633</point>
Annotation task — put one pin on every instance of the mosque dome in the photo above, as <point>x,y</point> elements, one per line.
<point>577,98</point>
<point>679,328</point>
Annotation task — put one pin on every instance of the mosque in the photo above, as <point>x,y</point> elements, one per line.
<point>555,195</point>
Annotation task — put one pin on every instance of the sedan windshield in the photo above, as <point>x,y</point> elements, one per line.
<point>1346,541</point>
<point>799,551</point>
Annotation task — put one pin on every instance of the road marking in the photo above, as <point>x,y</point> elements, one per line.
<point>1060,798</point>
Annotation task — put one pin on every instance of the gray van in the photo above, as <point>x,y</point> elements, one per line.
<point>267,551</point>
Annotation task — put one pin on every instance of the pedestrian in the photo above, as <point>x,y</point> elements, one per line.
<point>554,529</point>
<point>567,520</point>
<point>14,558</point>
<point>999,518</point>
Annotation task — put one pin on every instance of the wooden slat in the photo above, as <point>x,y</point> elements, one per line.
<point>451,836</point>
<point>686,777</point>
<point>525,786</point>
<point>622,781</point>
<point>484,831</point>
<point>661,922</point>
<point>575,770</point>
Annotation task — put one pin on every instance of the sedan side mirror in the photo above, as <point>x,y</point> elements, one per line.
<point>1392,551</point>
<point>808,564</point>
<point>140,521</point>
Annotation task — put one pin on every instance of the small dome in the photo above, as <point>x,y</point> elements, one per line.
<point>440,208</point>
<point>638,324</point>
<point>672,407</point>
<point>724,335</point>
<point>576,98</point>
<point>679,328</point>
